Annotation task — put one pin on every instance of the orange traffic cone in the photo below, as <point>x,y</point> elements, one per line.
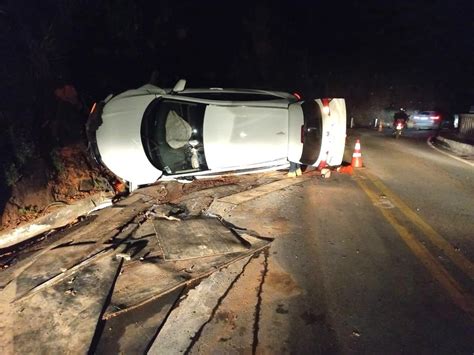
<point>357,156</point>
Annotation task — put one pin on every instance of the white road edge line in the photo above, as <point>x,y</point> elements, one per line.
<point>445,153</point>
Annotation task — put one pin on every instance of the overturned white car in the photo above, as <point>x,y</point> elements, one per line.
<point>149,133</point>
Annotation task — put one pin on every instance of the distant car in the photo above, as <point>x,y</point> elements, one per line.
<point>426,120</point>
<point>149,133</point>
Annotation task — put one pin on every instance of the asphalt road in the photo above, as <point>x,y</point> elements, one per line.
<point>376,262</point>
<point>379,261</point>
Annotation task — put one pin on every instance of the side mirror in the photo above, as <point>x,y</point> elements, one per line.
<point>180,85</point>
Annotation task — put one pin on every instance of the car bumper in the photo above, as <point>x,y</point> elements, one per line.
<point>426,124</point>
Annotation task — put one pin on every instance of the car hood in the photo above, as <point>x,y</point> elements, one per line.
<point>119,140</point>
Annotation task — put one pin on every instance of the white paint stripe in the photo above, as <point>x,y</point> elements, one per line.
<point>357,146</point>
<point>356,155</point>
<point>446,153</point>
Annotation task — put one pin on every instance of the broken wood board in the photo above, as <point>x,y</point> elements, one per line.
<point>77,246</point>
<point>52,220</point>
<point>151,274</point>
<point>262,190</point>
<point>195,311</point>
<point>133,332</point>
<point>194,238</point>
<point>61,319</point>
<point>141,282</point>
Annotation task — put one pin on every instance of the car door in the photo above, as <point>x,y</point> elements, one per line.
<point>317,131</point>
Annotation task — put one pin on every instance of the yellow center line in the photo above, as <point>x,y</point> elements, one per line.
<point>462,299</point>
<point>434,237</point>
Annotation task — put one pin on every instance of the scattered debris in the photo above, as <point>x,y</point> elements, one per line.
<point>52,220</point>
<point>70,291</point>
<point>123,256</point>
<point>163,257</point>
<point>345,169</point>
<point>193,313</point>
<point>326,173</point>
<point>73,312</point>
<point>169,258</point>
<point>71,280</point>
<point>189,269</point>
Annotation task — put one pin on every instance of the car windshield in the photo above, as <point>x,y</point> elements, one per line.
<point>172,136</point>
<point>312,133</point>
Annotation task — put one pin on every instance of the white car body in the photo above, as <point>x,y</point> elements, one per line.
<point>241,130</point>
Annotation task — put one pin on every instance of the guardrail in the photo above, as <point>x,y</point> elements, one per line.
<point>466,124</point>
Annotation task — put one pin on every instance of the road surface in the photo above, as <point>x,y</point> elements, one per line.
<point>377,262</point>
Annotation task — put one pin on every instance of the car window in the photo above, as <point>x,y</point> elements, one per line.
<point>172,136</point>
<point>230,96</point>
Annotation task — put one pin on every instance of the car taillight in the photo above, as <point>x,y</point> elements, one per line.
<point>326,109</point>
<point>302,134</point>
<point>298,96</point>
<point>434,117</point>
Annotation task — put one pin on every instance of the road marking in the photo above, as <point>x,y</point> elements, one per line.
<point>384,202</point>
<point>462,299</point>
<point>446,153</point>
<point>434,237</point>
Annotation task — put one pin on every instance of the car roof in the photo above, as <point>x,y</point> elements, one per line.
<point>236,97</point>
<point>218,96</point>
<point>276,94</point>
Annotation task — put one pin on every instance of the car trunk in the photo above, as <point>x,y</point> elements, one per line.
<point>317,131</point>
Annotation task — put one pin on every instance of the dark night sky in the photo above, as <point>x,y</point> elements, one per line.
<point>347,48</point>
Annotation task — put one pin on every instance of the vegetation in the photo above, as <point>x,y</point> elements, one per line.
<point>57,162</point>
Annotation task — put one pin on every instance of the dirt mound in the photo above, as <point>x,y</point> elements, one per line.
<point>70,176</point>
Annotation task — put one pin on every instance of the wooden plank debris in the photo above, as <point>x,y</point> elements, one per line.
<point>52,220</point>
<point>193,312</point>
<point>60,319</point>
